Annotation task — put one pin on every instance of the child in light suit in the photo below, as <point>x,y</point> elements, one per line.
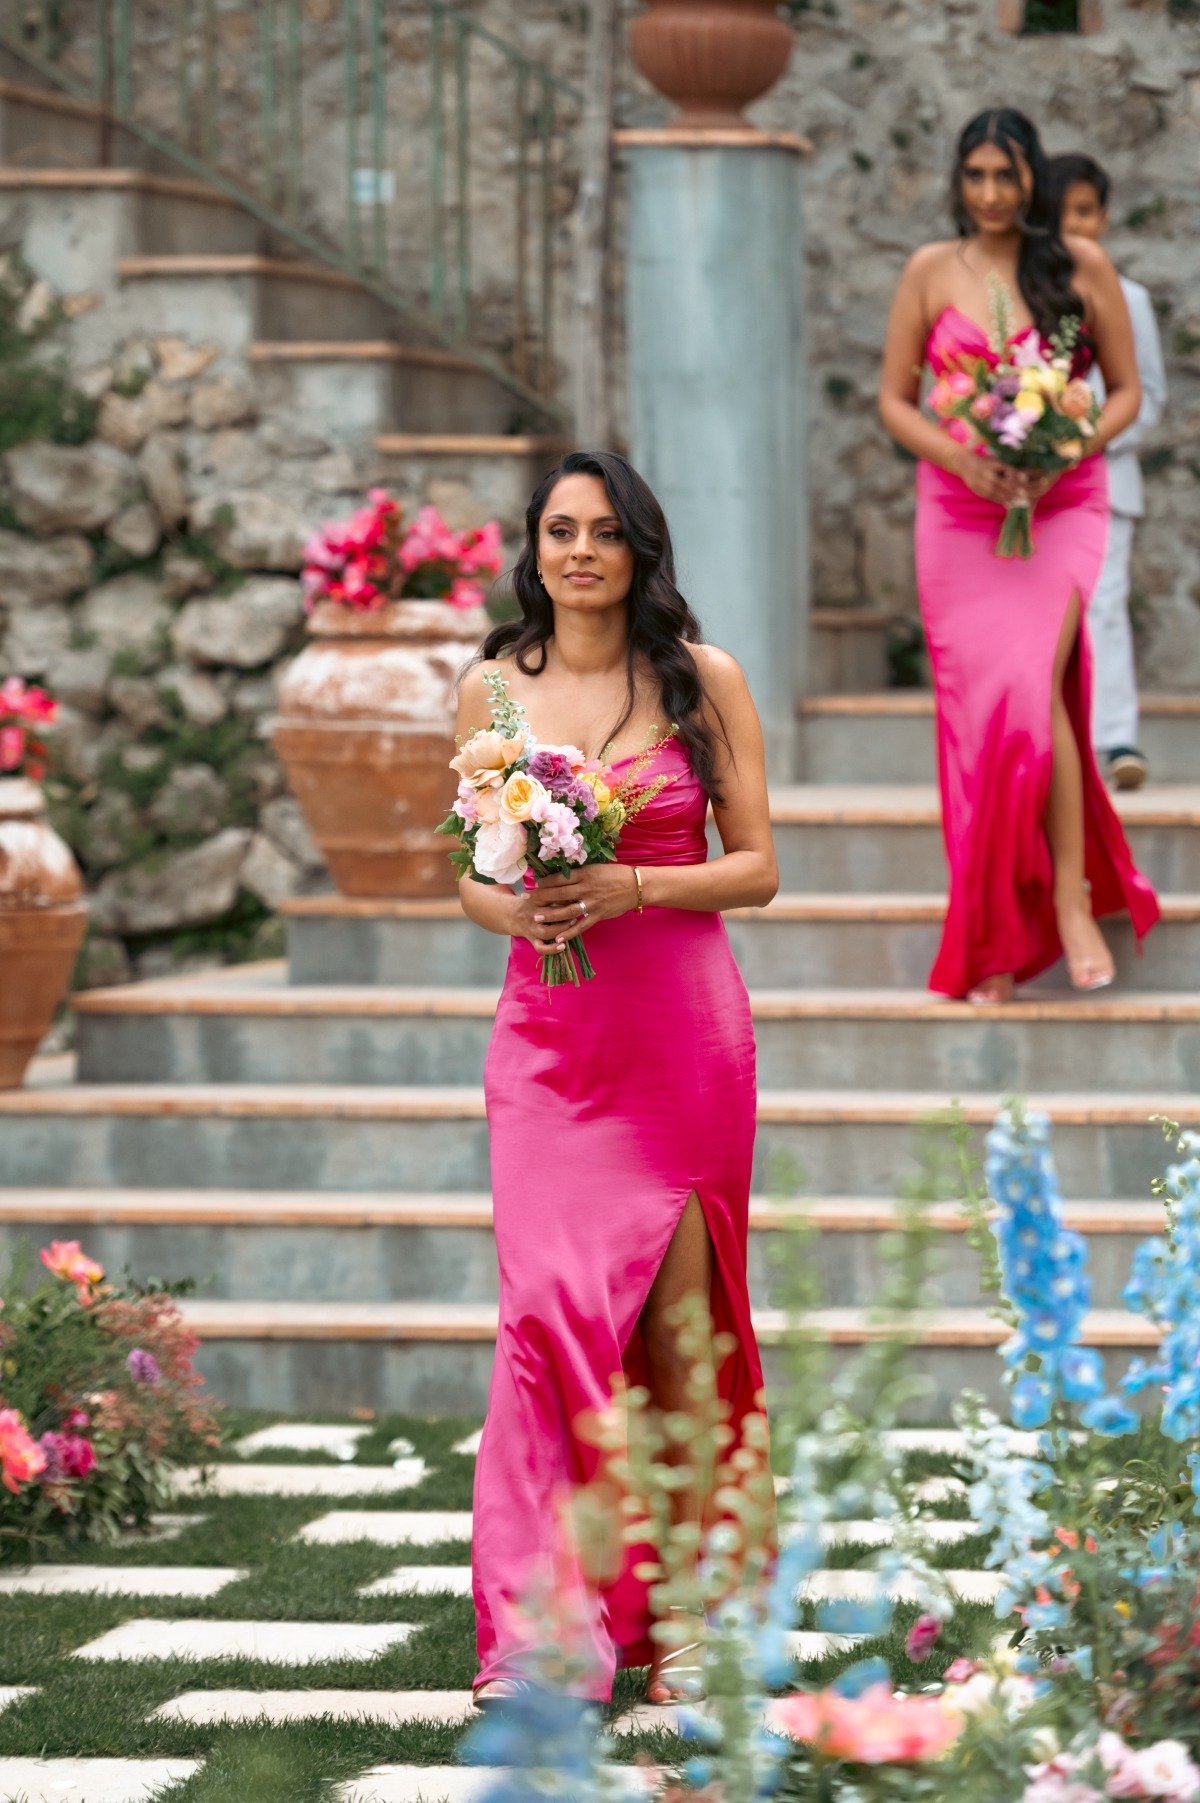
<point>1082,189</point>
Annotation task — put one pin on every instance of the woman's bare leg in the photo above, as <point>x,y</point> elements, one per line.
<point>686,1270</point>
<point>1089,961</point>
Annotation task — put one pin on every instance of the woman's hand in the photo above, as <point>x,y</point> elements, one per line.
<point>562,907</point>
<point>987,477</point>
<point>1040,482</point>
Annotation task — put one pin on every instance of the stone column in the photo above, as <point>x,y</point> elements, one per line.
<point>717,368</point>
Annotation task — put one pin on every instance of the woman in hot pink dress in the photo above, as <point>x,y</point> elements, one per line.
<point>1035,849</point>
<point>621,1112</point>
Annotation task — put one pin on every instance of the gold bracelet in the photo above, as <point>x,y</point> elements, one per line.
<point>637,877</point>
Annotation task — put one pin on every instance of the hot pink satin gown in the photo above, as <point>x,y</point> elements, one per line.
<point>607,1105</point>
<point>993,627</point>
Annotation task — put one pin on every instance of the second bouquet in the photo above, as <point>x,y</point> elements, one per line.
<point>524,807</point>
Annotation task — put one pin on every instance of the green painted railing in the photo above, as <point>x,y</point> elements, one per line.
<point>399,140</point>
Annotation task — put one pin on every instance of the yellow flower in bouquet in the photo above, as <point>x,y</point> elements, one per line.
<point>598,786</point>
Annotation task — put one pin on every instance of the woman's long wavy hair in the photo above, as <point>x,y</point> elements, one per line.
<point>661,624</point>
<point>1045,269</point>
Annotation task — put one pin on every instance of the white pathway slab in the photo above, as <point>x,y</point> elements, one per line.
<point>449,1783</point>
<point>300,1480</point>
<point>469,1448</point>
<point>808,1643</point>
<point>858,1586</point>
<point>119,1580</point>
<point>274,1642</point>
<point>12,1693</point>
<point>392,1706</point>
<point>422,1580</point>
<point>400,1448</point>
<point>388,1527</point>
<point>91,1780</point>
<point>339,1441</point>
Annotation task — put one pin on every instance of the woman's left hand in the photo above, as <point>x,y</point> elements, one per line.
<point>572,904</point>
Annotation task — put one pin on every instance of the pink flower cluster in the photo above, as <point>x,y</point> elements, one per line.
<point>559,836</point>
<point>875,1728</point>
<point>22,709</point>
<point>67,1259</point>
<point>1163,1771</point>
<point>67,1456</point>
<point>369,559</point>
<point>21,1458</point>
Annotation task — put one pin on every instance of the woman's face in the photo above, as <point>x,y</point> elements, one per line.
<point>994,191</point>
<point>585,559</point>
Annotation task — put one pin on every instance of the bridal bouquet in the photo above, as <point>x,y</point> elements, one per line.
<point>1025,409</point>
<point>523,806</point>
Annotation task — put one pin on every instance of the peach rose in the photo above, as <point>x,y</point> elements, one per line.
<point>1076,400</point>
<point>485,757</point>
<point>519,796</point>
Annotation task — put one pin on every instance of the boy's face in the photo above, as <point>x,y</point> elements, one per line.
<point>1082,214</point>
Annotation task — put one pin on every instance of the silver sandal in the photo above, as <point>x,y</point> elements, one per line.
<point>497,1693</point>
<point>683,1683</point>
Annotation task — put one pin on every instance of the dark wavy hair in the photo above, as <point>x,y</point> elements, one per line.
<point>661,624</point>
<point>1045,267</point>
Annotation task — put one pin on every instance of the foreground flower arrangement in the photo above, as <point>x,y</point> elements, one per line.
<point>1087,1684</point>
<point>99,1400</point>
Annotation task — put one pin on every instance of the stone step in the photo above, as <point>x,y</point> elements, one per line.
<point>371,386</point>
<point>237,300</point>
<point>887,837</point>
<point>75,225</point>
<point>847,649</point>
<point>100,1780</point>
<point>877,738</point>
<point>426,1357</point>
<point>347,1137</point>
<point>41,127</point>
<point>799,941</point>
<point>248,1025</point>
<point>395,1248</point>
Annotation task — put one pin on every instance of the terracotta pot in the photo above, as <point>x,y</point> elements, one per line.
<point>711,57</point>
<point>365,732</point>
<point>42,917</point>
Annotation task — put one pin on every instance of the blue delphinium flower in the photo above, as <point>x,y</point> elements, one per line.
<point>1045,1276</point>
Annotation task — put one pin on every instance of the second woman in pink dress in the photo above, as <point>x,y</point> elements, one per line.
<point>621,1112</point>
<point>1035,850</point>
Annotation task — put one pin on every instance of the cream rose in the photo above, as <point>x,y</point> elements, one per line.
<point>486,756</point>
<point>519,796</point>
<point>500,852</point>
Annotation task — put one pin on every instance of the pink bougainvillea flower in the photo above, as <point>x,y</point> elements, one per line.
<point>464,593</point>
<point>66,1456</point>
<point>923,1636</point>
<point>21,1458</point>
<point>12,747</point>
<point>66,1259</point>
<point>480,551</point>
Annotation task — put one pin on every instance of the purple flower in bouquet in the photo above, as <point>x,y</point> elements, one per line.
<point>553,770</point>
<point>582,796</point>
<point>1007,387</point>
<point>1012,428</point>
<point>143,1366</point>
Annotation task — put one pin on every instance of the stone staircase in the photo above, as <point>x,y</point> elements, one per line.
<point>308,1140</point>
<point>98,212</point>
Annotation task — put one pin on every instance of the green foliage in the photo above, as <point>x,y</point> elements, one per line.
<point>1137,217</point>
<point>37,399</point>
<point>906,654</point>
<point>1043,16</point>
<point>1155,461</point>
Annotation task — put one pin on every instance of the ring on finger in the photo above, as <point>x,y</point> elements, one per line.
<point>583,909</point>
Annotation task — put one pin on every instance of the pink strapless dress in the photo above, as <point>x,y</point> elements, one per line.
<point>992,627</point>
<point>607,1106</point>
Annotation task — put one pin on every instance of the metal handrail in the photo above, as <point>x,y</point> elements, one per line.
<point>404,218</point>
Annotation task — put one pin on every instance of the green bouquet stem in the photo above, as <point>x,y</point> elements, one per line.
<point>1016,534</point>
<point>571,965</point>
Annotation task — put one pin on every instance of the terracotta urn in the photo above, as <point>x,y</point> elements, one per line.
<point>365,733</point>
<point>711,57</point>
<point>42,918</point>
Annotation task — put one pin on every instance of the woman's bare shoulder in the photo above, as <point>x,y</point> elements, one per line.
<point>721,676</point>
